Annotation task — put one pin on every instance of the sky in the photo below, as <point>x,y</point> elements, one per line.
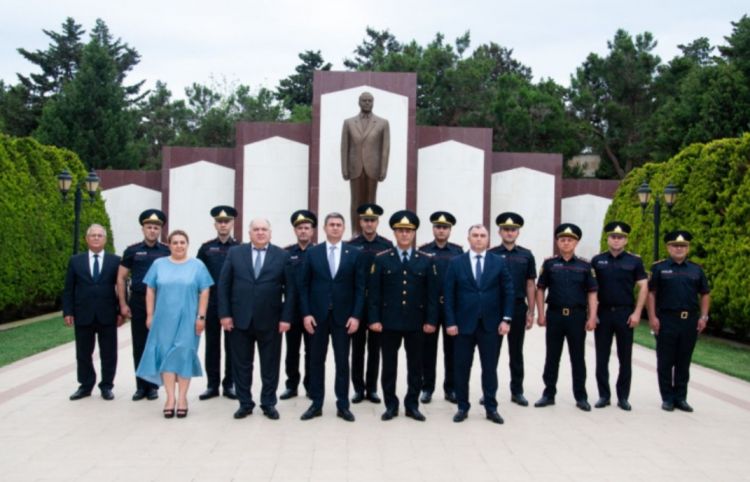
<point>257,42</point>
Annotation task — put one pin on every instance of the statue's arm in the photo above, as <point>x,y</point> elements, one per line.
<point>345,151</point>
<point>385,150</point>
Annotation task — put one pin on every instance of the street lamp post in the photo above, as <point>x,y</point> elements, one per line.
<point>670,197</point>
<point>64,182</point>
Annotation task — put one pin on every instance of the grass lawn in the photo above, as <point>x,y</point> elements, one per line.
<point>33,338</point>
<point>721,355</point>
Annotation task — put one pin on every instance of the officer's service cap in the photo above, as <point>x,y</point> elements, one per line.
<point>404,219</point>
<point>152,216</point>
<point>509,220</point>
<point>442,218</point>
<point>303,216</point>
<point>223,213</point>
<point>617,228</point>
<point>678,237</point>
<point>369,210</point>
<point>568,230</point>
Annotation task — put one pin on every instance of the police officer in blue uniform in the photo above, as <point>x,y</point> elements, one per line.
<point>402,304</point>
<point>618,272</point>
<point>523,269</point>
<point>442,252</point>
<point>369,243</point>
<point>571,310</point>
<point>678,303</point>
<point>304,223</point>
<point>213,253</point>
<point>136,260</point>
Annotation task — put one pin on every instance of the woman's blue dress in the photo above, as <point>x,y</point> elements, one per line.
<point>172,345</point>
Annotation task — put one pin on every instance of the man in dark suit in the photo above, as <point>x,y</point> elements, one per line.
<point>403,302</point>
<point>90,305</point>
<point>478,307</point>
<point>332,302</point>
<point>256,293</point>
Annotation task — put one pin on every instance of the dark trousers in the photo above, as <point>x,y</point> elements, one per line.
<point>413,344</point>
<point>294,338</point>
<point>488,344</point>
<point>86,337</point>
<point>242,343</point>
<point>213,351</point>
<point>515,337</point>
<point>614,324</point>
<point>318,352</point>
<point>429,360</point>
<point>674,350</point>
<point>363,339</point>
<point>573,329</point>
<point>139,333</point>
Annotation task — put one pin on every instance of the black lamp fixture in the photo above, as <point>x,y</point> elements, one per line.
<point>64,184</point>
<point>670,198</point>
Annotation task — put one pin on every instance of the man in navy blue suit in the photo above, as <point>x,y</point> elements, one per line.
<point>478,309</point>
<point>332,302</point>
<point>256,297</point>
<point>90,305</point>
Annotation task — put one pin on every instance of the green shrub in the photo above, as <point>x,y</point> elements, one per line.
<point>714,205</point>
<point>36,235</point>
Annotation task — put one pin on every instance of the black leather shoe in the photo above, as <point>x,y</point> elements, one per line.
<point>243,412</point>
<point>152,394</point>
<point>519,399</point>
<point>624,404</point>
<point>288,393</point>
<point>416,415</point>
<point>373,397</point>
<point>583,405</point>
<point>389,415</point>
<point>460,416</point>
<point>683,405</point>
<point>271,413</point>
<point>81,393</point>
<point>544,401</point>
<point>345,414</point>
<point>230,393</point>
<point>601,403</point>
<point>209,394</point>
<point>107,394</point>
<point>667,406</point>
<point>451,397</point>
<point>139,394</point>
<point>426,397</point>
<point>358,397</point>
<point>495,417</point>
<point>311,412</point>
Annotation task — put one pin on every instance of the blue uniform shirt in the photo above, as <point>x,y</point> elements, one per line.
<point>568,282</point>
<point>617,276</point>
<point>138,258</point>
<point>677,285</point>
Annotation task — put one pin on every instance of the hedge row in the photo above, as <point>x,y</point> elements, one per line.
<point>714,205</point>
<point>36,235</point>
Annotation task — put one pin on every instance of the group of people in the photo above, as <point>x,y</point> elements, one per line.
<point>368,296</point>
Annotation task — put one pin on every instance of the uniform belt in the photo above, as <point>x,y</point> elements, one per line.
<point>566,310</point>
<point>683,314</point>
<point>615,307</point>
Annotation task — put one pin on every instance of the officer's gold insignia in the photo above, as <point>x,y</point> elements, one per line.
<point>369,212</point>
<point>442,219</point>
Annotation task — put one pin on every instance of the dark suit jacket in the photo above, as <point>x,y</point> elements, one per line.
<point>402,297</point>
<point>261,302</point>
<point>88,300</point>
<point>344,294</point>
<point>365,148</point>
<point>466,302</point>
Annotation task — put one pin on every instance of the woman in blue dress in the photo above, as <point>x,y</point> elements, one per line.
<point>176,301</point>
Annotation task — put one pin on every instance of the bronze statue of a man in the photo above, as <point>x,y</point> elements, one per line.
<point>365,145</point>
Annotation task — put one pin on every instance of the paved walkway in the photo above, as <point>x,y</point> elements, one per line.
<point>43,436</point>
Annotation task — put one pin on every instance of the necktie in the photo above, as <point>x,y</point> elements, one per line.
<point>404,257</point>
<point>332,261</point>
<point>96,268</point>
<point>258,265</point>
<point>478,268</point>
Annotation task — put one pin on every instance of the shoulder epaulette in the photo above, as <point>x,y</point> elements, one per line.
<point>209,241</point>
<point>380,253</point>
<point>634,254</point>
<point>581,258</point>
<point>551,257</point>
<point>424,245</point>
<point>290,246</point>
<point>455,245</point>
<point>658,261</point>
<point>132,245</point>
<point>424,253</point>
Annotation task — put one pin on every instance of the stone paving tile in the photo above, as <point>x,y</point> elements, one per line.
<point>46,437</point>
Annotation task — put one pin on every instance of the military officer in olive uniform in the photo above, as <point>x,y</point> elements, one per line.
<point>402,304</point>
<point>304,223</point>
<point>523,269</point>
<point>678,303</point>
<point>571,310</point>
<point>213,253</point>
<point>136,260</point>
<point>369,243</point>
<point>618,272</point>
<point>442,252</point>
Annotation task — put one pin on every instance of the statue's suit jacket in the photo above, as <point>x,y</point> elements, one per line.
<point>365,149</point>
